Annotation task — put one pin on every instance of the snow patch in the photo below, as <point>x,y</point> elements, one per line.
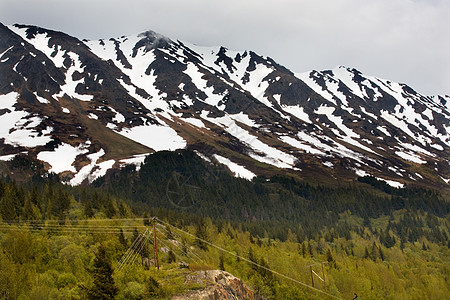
<point>86,171</point>
<point>7,157</point>
<point>154,136</point>
<point>41,99</point>
<point>410,157</point>
<point>392,183</point>
<point>243,118</point>
<point>361,173</point>
<point>136,160</point>
<point>196,75</point>
<point>447,181</point>
<point>19,127</point>
<point>92,116</point>
<point>298,112</point>
<point>261,151</point>
<point>70,86</point>
<point>328,164</point>
<point>195,122</point>
<point>437,146</point>
<point>238,170</point>
<point>62,158</point>
<point>299,145</point>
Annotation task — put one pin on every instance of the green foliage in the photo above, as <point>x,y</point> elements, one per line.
<point>380,244</point>
<point>171,257</point>
<point>134,290</point>
<point>221,263</point>
<point>122,239</point>
<point>201,234</point>
<point>103,283</point>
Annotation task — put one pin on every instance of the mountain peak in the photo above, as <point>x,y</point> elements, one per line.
<point>86,107</point>
<point>153,40</point>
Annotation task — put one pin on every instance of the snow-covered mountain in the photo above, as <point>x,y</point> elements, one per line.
<point>83,107</point>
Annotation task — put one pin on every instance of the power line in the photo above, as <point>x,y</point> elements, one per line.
<point>251,262</point>
<point>199,260</point>
<point>65,220</point>
<point>86,226</point>
<point>131,253</point>
<point>57,229</point>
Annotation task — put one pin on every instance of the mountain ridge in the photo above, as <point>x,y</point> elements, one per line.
<point>147,92</point>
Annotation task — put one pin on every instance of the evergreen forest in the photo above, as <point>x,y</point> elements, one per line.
<point>95,241</point>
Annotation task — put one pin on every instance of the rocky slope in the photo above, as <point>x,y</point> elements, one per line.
<point>83,107</point>
<point>220,285</point>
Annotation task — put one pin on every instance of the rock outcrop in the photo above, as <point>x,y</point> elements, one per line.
<point>220,285</point>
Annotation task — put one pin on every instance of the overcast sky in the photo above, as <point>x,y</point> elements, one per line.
<point>402,40</point>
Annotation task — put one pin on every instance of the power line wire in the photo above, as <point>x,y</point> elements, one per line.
<point>251,262</point>
<point>198,260</point>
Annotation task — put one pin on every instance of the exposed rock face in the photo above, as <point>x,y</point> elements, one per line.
<point>220,285</point>
<point>84,107</point>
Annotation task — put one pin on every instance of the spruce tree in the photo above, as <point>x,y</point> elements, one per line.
<point>147,221</point>
<point>122,239</point>
<point>424,247</point>
<point>88,208</point>
<point>171,257</point>
<point>202,235</point>
<point>28,212</point>
<point>366,253</point>
<point>110,207</point>
<point>8,207</point>
<point>303,249</point>
<point>381,253</point>
<point>221,263</point>
<point>329,256</point>
<point>35,198</point>
<point>103,285</point>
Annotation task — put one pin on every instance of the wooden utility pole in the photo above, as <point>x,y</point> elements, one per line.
<point>154,244</point>
<point>323,275</point>
<point>314,273</point>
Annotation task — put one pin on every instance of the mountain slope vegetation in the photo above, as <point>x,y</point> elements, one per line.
<point>393,246</point>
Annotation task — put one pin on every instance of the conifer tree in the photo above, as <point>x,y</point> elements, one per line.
<point>171,257</point>
<point>28,212</point>
<point>122,239</point>
<point>221,263</point>
<point>252,259</point>
<point>146,218</point>
<point>424,247</point>
<point>110,207</point>
<point>103,285</point>
<point>201,234</point>
<point>8,207</point>
<point>47,201</point>
<point>310,251</point>
<point>123,209</point>
<point>381,253</point>
<point>374,252</point>
<point>35,198</point>
<point>303,249</point>
<point>329,255</point>
<point>60,205</point>
<point>402,243</point>
<point>88,208</point>
<point>366,253</point>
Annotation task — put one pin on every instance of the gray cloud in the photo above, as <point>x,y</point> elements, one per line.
<point>400,40</point>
